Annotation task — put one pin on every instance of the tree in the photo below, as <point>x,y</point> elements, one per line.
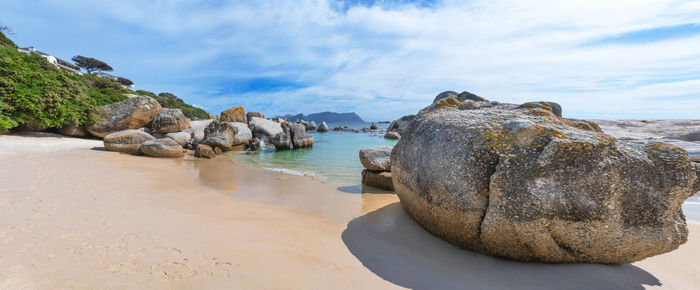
<point>125,82</point>
<point>90,64</point>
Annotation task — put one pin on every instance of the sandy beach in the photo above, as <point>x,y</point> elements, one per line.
<point>76,216</point>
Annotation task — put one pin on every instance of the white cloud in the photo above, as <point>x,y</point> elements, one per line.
<point>504,50</point>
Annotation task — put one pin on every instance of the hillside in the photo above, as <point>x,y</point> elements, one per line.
<point>328,117</point>
<point>36,95</point>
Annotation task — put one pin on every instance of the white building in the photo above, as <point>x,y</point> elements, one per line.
<point>50,58</point>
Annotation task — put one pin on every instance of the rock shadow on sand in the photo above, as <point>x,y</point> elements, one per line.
<point>361,188</point>
<point>393,246</point>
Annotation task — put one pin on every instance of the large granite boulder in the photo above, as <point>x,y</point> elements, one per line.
<point>299,137</point>
<point>244,134</point>
<point>378,179</point>
<point>170,120</point>
<point>179,137</point>
<point>264,128</point>
<point>323,127</point>
<point>197,129</point>
<point>524,184</point>
<point>463,96</point>
<point>75,131</point>
<point>250,115</point>
<point>132,113</point>
<point>376,158</point>
<point>219,134</point>
<point>312,126</point>
<point>550,106</point>
<point>128,141</point>
<point>165,148</point>
<point>236,114</point>
<point>400,124</point>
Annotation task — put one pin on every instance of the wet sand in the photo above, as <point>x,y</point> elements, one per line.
<point>73,215</point>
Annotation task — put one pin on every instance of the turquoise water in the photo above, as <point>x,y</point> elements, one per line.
<point>333,158</point>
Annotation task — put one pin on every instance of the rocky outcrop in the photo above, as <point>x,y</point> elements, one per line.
<point>312,126</point>
<point>128,141</point>
<point>75,131</point>
<point>299,137</point>
<point>524,184</point>
<point>164,148</point>
<point>323,127</point>
<point>377,158</point>
<point>392,135</point>
<point>275,133</point>
<point>373,126</point>
<point>236,114</point>
<point>378,179</point>
<point>170,120</point>
<point>219,134</point>
<point>204,151</point>
<point>244,134</point>
<point>463,97</point>
<point>250,115</point>
<point>401,124</point>
<point>197,129</point>
<point>132,113</point>
<point>179,137</point>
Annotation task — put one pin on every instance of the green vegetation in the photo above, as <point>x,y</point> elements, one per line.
<point>35,95</point>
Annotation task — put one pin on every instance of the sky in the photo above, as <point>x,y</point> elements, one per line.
<point>618,59</point>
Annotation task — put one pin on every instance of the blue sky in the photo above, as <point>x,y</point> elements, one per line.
<point>384,59</point>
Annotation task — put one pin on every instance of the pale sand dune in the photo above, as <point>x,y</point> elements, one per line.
<point>72,215</point>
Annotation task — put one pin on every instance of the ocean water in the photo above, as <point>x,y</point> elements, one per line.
<point>334,158</point>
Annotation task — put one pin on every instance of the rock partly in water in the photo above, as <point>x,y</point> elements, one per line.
<point>299,137</point>
<point>219,134</point>
<point>376,158</point>
<point>401,124</point>
<point>165,148</point>
<point>204,151</point>
<point>254,144</point>
<point>74,131</point>
<point>524,184</point>
<point>378,179</point>
<point>132,113</point>
<point>236,114</point>
<point>250,115</point>
<point>128,141</point>
<point>264,128</point>
<point>373,126</point>
<point>323,127</point>
<point>179,137</point>
<point>392,135</point>
<point>170,120</point>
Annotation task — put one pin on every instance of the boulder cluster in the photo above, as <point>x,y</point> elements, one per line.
<point>377,165</point>
<point>524,183</point>
<point>139,125</point>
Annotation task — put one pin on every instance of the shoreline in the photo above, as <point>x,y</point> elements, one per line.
<point>74,215</point>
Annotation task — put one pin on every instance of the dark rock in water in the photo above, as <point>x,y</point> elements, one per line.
<point>219,134</point>
<point>299,137</point>
<point>521,183</point>
<point>170,120</point>
<point>250,115</point>
<point>254,144</point>
<point>366,130</point>
<point>236,114</point>
<point>132,113</point>
<point>401,124</point>
<point>75,131</point>
<point>392,135</point>
<point>323,127</point>
<point>165,148</point>
<point>376,158</point>
<point>128,141</point>
<point>378,179</point>
<point>312,126</point>
<point>373,126</point>
<point>204,151</point>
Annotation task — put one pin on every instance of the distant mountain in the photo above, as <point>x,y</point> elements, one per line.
<point>328,117</point>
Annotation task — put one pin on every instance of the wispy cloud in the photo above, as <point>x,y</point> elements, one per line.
<point>384,59</point>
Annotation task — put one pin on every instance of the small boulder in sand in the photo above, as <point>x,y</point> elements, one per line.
<point>128,141</point>
<point>179,137</point>
<point>378,179</point>
<point>164,147</point>
<point>204,151</point>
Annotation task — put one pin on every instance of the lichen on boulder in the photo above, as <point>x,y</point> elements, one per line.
<point>522,183</point>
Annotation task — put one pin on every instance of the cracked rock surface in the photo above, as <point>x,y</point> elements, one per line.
<point>521,183</point>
